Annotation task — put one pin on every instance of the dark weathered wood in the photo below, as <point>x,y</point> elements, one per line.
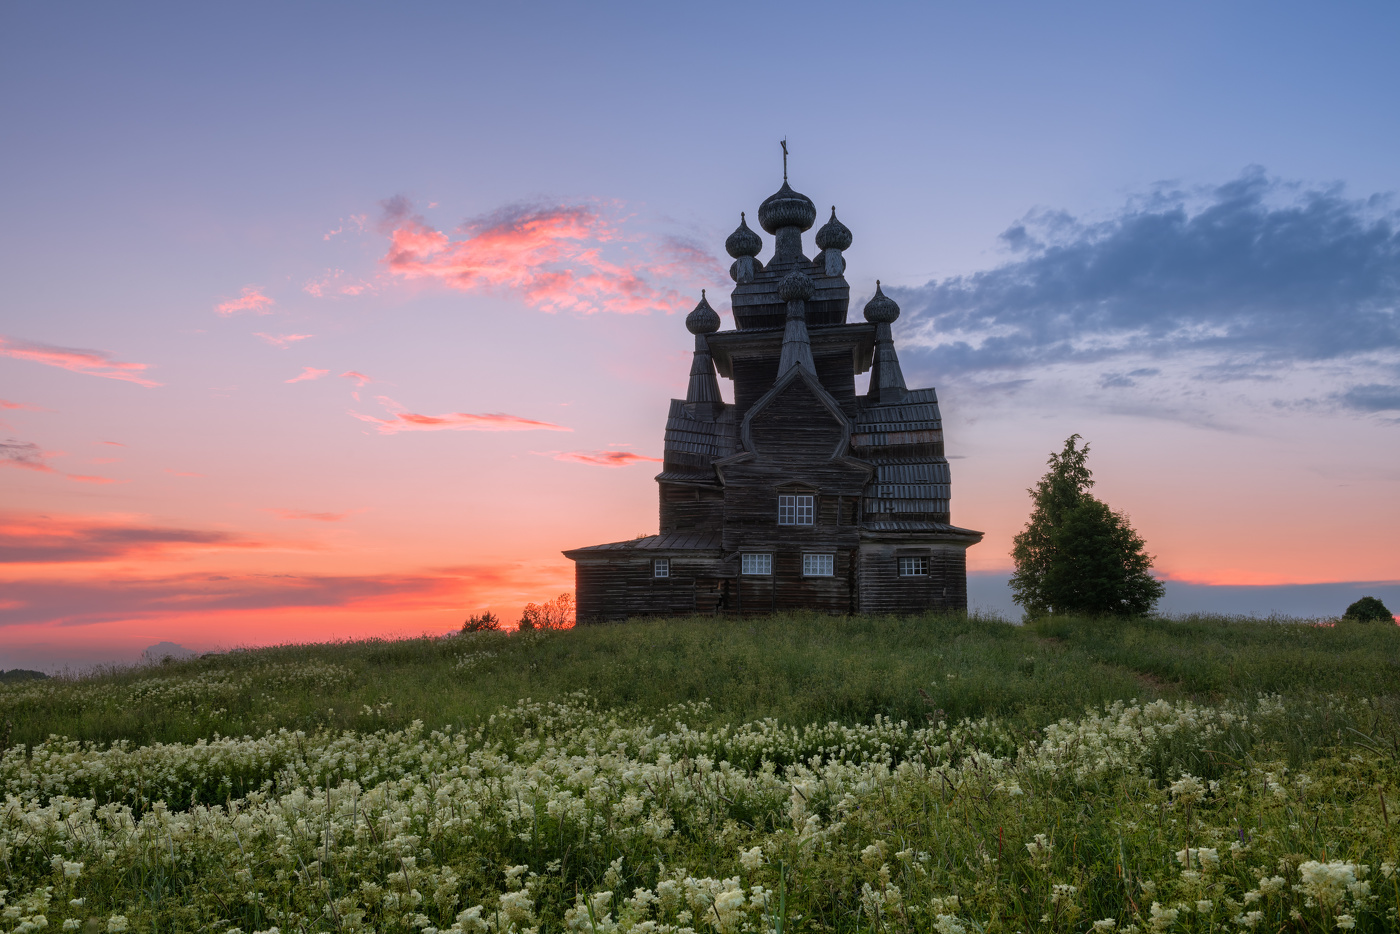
<point>875,465</point>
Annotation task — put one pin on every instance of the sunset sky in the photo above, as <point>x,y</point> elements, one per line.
<point>331,320</point>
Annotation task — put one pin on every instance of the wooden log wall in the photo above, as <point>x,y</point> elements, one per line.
<point>616,588</point>
<point>685,506</point>
<point>882,590</point>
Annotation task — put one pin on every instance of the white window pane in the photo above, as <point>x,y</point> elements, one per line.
<point>756,564</point>
<point>804,509</point>
<point>662,567</point>
<point>913,567</point>
<point>818,565</point>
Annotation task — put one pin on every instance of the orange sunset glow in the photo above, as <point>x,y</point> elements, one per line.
<point>304,349</point>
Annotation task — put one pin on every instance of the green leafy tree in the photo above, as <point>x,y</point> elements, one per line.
<point>1369,610</point>
<point>1076,555</point>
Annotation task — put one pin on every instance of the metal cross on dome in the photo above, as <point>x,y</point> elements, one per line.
<point>783,143</point>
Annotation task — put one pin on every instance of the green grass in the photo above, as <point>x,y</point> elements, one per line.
<point>796,668</point>
<point>1224,814</point>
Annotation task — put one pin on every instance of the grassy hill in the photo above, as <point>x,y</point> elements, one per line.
<point>798,669</point>
<point>788,773</point>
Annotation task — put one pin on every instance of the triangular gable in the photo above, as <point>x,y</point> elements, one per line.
<point>823,397</point>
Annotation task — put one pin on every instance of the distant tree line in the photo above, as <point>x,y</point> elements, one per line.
<point>552,614</point>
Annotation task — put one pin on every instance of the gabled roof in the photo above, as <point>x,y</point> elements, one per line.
<point>813,384</point>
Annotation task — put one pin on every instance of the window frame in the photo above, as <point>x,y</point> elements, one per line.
<point>817,559</point>
<point>797,509</point>
<point>920,561</point>
<point>748,558</point>
<point>660,568</point>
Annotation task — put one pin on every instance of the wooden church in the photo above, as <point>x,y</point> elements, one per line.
<point>800,494</point>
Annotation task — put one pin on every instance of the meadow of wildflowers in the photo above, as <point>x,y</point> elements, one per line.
<point>1226,811</point>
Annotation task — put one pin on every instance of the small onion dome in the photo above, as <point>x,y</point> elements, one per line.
<point>796,286</point>
<point>743,241</point>
<point>787,208</point>
<point>704,319</point>
<point>881,309</point>
<point>834,235</point>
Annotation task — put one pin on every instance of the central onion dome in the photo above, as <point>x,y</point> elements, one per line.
<point>743,241</point>
<point>881,309</point>
<point>704,319</point>
<point>796,286</point>
<point>787,208</point>
<point>834,235</point>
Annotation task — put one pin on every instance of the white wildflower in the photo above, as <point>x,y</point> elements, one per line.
<point>1040,848</point>
<point>752,859</point>
<point>949,924</point>
<point>1161,919</point>
<point>1105,926</point>
<point>1327,882</point>
<point>1187,789</point>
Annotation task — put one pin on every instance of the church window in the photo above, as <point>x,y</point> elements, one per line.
<point>756,564</point>
<point>661,567</point>
<point>818,565</point>
<point>913,567</point>
<point>795,510</point>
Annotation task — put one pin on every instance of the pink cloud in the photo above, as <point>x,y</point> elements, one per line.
<point>359,378</point>
<point>356,224</point>
<point>89,362</point>
<point>7,404</point>
<point>282,341</point>
<point>312,516</point>
<point>401,420</point>
<point>603,458</point>
<point>252,300</point>
<point>552,257</point>
<point>182,473</point>
<point>33,538</point>
<point>24,454</point>
<point>87,597</point>
<point>308,372</point>
<point>330,284</point>
<point>27,455</point>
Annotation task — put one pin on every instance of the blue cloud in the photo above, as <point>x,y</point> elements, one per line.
<point>1258,271</point>
<point>1372,397</point>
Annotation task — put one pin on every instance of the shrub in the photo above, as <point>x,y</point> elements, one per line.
<point>1367,610</point>
<point>486,622</point>
<point>552,614</point>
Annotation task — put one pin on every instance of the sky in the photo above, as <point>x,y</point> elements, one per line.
<point>339,320</point>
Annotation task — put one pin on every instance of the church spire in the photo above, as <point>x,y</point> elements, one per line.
<point>886,378</point>
<point>703,392</point>
<point>795,289</point>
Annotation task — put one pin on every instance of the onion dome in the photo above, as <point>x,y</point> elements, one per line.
<point>787,208</point>
<point>881,309</point>
<point>704,319</point>
<point>743,241</point>
<point>834,235</point>
<point>796,286</point>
